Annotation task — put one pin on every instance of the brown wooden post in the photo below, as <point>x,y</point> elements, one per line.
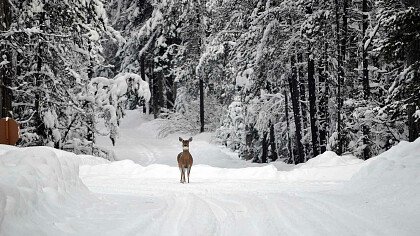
<point>9,131</point>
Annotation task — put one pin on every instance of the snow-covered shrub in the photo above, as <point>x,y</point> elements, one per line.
<point>186,118</point>
<point>109,98</point>
<point>231,132</point>
<point>369,128</point>
<point>245,126</point>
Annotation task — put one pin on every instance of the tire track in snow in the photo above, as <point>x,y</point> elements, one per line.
<point>224,207</point>
<point>185,215</point>
<point>366,221</point>
<point>197,218</point>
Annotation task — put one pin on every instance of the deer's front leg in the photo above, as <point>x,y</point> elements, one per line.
<point>188,174</point>
<point>183,175</point>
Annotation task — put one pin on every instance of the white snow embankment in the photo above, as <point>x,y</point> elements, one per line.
<point>391,182</point>
<point>325,167</point>
<point>399,166</point>
<point>393,176</point>
<point>129,169</point>
<point>34,183</point>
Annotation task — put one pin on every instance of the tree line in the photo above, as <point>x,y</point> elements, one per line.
<point>51,58</point>
<point>276,79</point>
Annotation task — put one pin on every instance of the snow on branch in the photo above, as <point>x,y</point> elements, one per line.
<point>109,97</point>
<point>372,35</point>
<point>139,85</point>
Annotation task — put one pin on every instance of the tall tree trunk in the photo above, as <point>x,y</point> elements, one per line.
<point>170,98</point>
<point>39,124</point>
<point>273,148</point>
<point>413,125</point>
<point>412,57</point>
<point>312,104</point>
<point>341,34</point>
<point>152,87</point>
<point>289,140</point>
<point>339,73</point>
<point>5,71</point>
<point>170,80</point>
<point>294,90</point>
<point>343,72</point>
<point>302,90</point>
<point>157,91</point>
<point>365,139</point>
<point>158,84</point>
<point>323,101</point>
<point>366,88</point>
<point>264,148</point>
<point>201,82</point>
<point>160,90</point>
<point>91,115</point>
<point>302,101</point>
<point>142,68</point>
<point>201,85</point>
<point>143,77</point>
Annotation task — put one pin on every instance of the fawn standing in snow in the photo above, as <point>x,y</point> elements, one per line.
<point>185,159</point>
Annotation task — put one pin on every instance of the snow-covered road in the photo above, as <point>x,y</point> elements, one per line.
<point>206,207</point>
<point>141,194</point>
<point>232,208</point>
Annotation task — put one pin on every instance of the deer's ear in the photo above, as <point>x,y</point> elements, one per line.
<point>180,139</point>
<point>190,139</point>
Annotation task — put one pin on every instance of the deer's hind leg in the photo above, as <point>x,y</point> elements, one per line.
<point>188,173</point>
<point>181,170</point>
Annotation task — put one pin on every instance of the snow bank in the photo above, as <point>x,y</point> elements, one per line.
<point>325,167</point>
<point>130,169</point>
<point>397,170</point>
<point>391,182</point>
<point>6,148</point>
<point>34,181</point>
<point>331,159</point>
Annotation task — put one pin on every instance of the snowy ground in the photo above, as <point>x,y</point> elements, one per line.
<point>49,192</point>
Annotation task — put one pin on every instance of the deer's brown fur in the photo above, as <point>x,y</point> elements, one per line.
<point>185,160</point>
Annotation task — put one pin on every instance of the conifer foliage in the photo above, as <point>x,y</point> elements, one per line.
<point>274,79</point>
<point>51,53</point>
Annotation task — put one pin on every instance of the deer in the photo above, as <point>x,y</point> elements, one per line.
<point>185,159</point>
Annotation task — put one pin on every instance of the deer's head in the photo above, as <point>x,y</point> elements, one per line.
<point>185,143</point>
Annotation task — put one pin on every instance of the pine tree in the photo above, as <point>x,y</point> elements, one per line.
<point>5,68</point>
<point>294,91</point>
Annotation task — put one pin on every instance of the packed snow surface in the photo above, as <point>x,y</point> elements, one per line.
<point>44,191</point>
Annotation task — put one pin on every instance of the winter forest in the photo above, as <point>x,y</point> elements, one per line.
<point>294,117</point>
<point>275,79</point>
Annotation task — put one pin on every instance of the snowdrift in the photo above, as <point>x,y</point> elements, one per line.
<point>394,174</point>
<point>36,180</point>
<point>400,163</point>
<point>325,167</point>
<point>391,182</point>
<point>128,168</point>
